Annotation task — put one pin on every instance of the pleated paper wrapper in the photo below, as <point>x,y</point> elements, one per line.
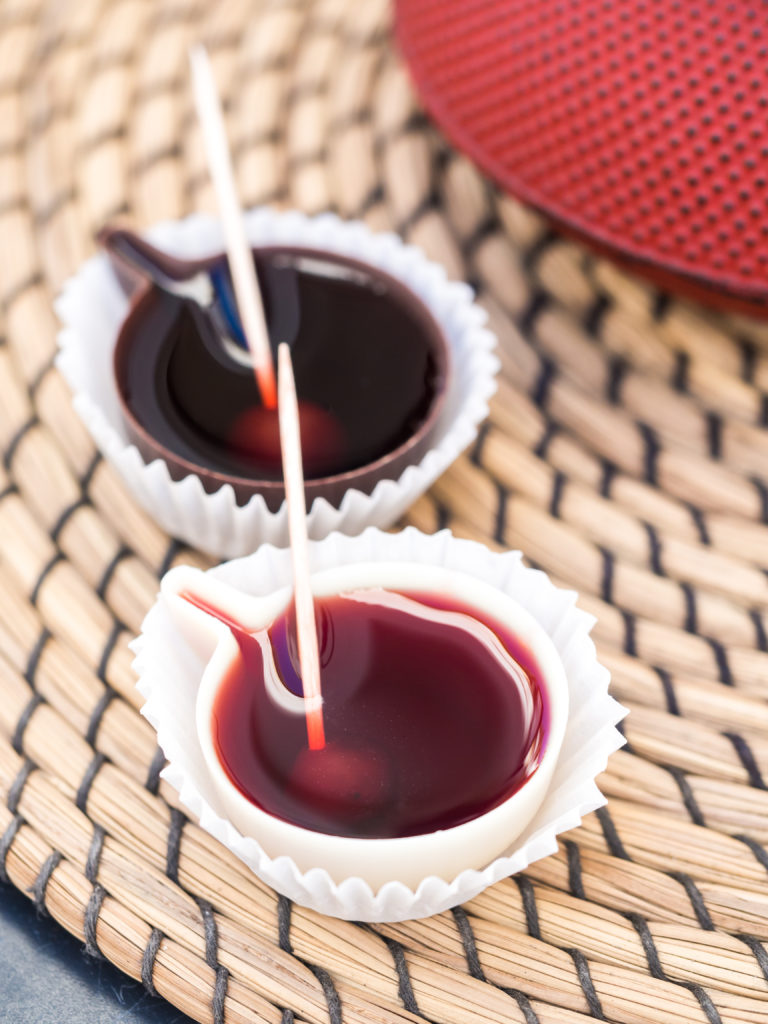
<point>169,676</point>
<point>92,307</point>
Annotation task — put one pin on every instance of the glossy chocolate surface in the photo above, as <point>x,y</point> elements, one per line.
<point>370,366</point>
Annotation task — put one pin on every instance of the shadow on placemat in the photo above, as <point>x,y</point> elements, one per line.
<point>46,977</point>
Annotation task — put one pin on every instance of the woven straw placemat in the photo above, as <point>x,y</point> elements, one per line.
<point>626,454</point>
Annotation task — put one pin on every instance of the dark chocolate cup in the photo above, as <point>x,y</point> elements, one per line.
<point>332,487</point>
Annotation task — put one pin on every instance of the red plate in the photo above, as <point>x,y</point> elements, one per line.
<point>640,125</point>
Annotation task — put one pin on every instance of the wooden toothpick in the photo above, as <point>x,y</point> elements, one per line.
<point>293,474</point>
<point>239,255</point>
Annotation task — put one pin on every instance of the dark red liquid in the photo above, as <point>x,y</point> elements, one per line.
<point>363,360</point>
<point>424,728</point>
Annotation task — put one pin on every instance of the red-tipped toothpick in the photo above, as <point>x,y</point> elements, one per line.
<point>239,256</point>
<point>293,474</point>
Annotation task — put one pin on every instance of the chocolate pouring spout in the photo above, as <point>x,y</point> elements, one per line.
<point>207,284</point>
<point>209,614</point>
<point>185,279</point>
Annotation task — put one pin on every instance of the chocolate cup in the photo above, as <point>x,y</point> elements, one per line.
<point>333,487</point>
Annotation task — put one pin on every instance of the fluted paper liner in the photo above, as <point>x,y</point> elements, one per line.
<point>169,676</point>
<point>92,307</point>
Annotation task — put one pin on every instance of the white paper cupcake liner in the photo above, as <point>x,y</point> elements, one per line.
<point>169,676</point>
<point>92,307</point>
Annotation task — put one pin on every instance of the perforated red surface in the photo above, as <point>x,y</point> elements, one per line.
<point>640,124</point>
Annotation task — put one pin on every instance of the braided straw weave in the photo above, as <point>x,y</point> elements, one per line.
<point>626,455</point>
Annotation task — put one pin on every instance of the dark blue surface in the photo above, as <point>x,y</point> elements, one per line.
<point>47,978</point>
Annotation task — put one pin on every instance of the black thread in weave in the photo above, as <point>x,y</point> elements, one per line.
<point>606,577</point>
<point>153,775</point>
<point>748,359</point>
<point>522,1000</point>
<point>593,318</point>
<point>171,151</point>
<point>654,549</point>
<point>575,880</point>
<point>10,488</point>
<point>759,852</point>
<point>404,986</point>
<point>210,931</point>
<point>476,455</point>
<point>284,908</point>
<point>49,565</point>
<point>661,304</point>
<point>174,547</point>
<point>585,980</point>
<point>609,473</point>
<point>467,937</point>
<point>329,991</point>
<point>528,896</point>
<point>113,133</point>
<point>91,920</point>
<point>669,690</point>
<point>541,388</point>
<point>424,206</point>
<point>721,659</point>
<point>697,900</point>
<point>175,828</point>
<point>220,994</point>
<point>284,911</point>
<point>33,281</point>
<point>690,623</point>
<point>17,740</point>
<point>148,960</point>
<point>98,713</point>
<point>442,515</point>
<point>93,465</point>
<point>762,493</point>
<point>41,882</point>
<point>630,639</point>
<point>617,371</point>
<point>657,971</point>
<point>611,834</point>
<point>715,435</point>
<point>487,227</point>
<point>747,758</point>
<point>288,1017</point>
<point>42,217</point>
<point>65,516</point>
<point>649,946</point>
<point>106,578</point>
<point>106,654</point>
<point>84,789</point>
<point>6,841</point>
<point>17,786</point>
<point>651,456</point>
<point>500,527</point>
<point>680,374</point>
<point>551,430</point>
<point>700,523</point>
<point>689,800</point>
<point>761,640</point>
<point>42,373</point>
<point>372,197</point>
<point>763,415</point>
<point>94,854</point>
<point>758,950</point>
<point>532,255</point>
<point>17,438</point>
<point>558,484</point>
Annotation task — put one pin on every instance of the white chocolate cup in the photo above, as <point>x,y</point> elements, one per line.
<point>445,853</point>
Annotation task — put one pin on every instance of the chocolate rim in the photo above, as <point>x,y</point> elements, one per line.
<point>333,487</point>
